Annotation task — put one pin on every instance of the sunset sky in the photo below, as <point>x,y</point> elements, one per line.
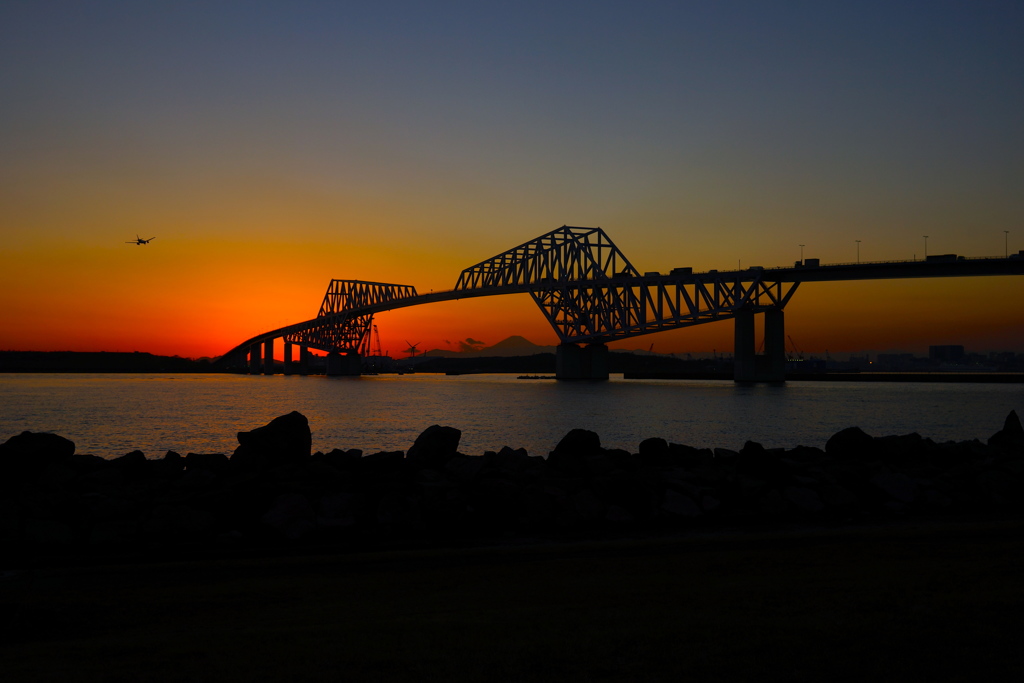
<point>272,146</point>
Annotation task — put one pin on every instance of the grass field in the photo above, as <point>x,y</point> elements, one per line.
<point>936,602</point>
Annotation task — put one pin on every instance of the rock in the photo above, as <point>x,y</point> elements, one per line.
<point>465,467</point>
<point>756,462</point>
<point>725,456</point>
<point>805,454</point>
<point>396,512</point>
<point>179,521</point>
<point>285,440</point>
<point>134,465</point>
<point>216,463</point>
<point>851,442</point>
<point>435,445</point>
<point>572,451</point>
<point>679,505</point>
<point>898,487</point>
<point>509,460</point>
<point>580,442</point>
<point>383,463</point>
<point>29,453</point>
<point>170,466</point>
<point>804,499</point>
<point>292,516</point>
<point>838,498</point>
<point>1011,436</point>
<point>336,510</point>
<point>681,455</point>
<point>654,451</point>
<point>588,506</point>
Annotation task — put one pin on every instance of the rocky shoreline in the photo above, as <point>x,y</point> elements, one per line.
<point>273,494</point>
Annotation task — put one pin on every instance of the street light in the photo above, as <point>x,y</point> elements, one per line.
<point>1006,244</point>
<point>858,250</point>
<point>926,247</point>
<point>801,254</point>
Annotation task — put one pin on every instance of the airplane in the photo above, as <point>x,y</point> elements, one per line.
<point>138,241</point>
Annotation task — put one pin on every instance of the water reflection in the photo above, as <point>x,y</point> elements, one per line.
<point>111,414</point>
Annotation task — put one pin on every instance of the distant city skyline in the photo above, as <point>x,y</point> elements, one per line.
<point>274,146</point>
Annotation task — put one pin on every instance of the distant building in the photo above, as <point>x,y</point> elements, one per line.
<point>895,362</point>
<point>948,353</point>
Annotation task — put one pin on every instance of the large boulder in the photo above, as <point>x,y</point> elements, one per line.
<point>285,440</point>
<point>435,445</point>
<point>1011,436</point>
<point>29,453</point>
<point>757,462</point>
<point>851,442</point>
<point>654,451</point>
<point>571,453</point>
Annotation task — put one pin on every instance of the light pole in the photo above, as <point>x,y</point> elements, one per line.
<point>1006,244</point>
<point>801,254</point>
<point>858,250</point>
<point>926,247</point>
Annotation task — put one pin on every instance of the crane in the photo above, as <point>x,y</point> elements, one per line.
<point>796,349</point>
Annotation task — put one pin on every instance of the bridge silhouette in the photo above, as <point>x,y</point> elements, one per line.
<point>591,295</point>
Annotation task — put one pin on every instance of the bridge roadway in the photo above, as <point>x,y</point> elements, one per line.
<point>959,267</point>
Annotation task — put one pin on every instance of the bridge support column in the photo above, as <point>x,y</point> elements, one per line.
<point>589,362</point>
<point>268,357</point>
<point>344,365</point>
<point>744,349</point>
<point>749,366</point>
<point>288,349</point>
<point>254,359</point>
<point>303,360</point>
<point>774,363</point>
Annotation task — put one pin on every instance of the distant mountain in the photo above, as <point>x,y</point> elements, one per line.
<point>510,346</point>
<point>519,346</point>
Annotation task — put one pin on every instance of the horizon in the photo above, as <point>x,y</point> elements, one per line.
<point>697,354</point>
<point>272,147</point>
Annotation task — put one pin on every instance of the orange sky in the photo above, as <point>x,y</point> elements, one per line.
<point>271,151</point>
<point>201,298</point>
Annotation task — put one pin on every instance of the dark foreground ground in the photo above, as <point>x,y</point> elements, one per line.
<point>914,602</point>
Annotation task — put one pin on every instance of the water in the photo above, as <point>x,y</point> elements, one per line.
<point>112,414</point>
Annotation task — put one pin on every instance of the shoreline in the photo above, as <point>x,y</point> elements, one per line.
<point>952,377</point>
<point>273,495</point>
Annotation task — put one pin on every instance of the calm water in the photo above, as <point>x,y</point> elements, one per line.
<point>109,415</point>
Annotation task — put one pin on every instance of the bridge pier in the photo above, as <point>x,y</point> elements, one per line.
<point>288,357</point>
<point>268,357</point>
<point>254,359</point>
<point>589,362</point>
<point>749,366</point>
<point>303,360</point>
<point>344,365</point>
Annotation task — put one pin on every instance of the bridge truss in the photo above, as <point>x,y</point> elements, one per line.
<point>603,311</point>
<point>589,292</point>
<point>563,255</point>
<point>341,325</point>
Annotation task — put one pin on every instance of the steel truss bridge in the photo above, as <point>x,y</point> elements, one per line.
<point>591,295</point>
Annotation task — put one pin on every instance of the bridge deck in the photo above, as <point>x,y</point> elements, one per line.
<point>968,267</point>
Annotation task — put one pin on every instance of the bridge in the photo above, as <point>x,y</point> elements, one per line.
<point>591,295</point>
